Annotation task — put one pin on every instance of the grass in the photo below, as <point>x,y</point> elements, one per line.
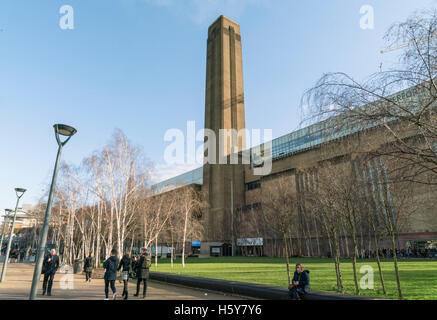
<point>418,276</point>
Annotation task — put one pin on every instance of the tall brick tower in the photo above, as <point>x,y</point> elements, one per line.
<point>224,109</point>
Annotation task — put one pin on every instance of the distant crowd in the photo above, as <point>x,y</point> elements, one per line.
<point>19,255</point>
<point>402,253</point>
<point>28,254</point>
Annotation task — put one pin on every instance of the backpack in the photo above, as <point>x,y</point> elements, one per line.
<point>307,286</point>
<point>147,262</point>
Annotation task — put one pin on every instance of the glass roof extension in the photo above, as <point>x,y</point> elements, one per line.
<point>297,141</point>
<point>191,177</point>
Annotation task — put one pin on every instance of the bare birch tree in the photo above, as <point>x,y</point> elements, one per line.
<point>280,204</point>
<point>189,204</point>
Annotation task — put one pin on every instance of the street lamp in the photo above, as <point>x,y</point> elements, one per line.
<point>232,220</point>
<point>6,216</point>
<point>19,192</point>
<point>67,131</point>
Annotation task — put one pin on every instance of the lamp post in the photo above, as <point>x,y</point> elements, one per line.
<point>232,220</point>
<point>19,192</point>
<point>6,216</point>
<point>67,131</point>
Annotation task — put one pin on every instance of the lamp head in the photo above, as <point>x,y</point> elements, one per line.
<point>64,130</point>
<point>20,192</point>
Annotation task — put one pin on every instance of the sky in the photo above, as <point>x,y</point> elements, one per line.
<point>139,66</point>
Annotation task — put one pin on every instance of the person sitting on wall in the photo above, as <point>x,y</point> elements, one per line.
<point>300,285</point>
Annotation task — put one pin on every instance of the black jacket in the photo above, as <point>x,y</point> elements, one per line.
<point>142,271</point>
<point>126,263</point>
<point>52,265</point>
<point>88,266</point>
<point>304,280</point>
<point>110,265</point>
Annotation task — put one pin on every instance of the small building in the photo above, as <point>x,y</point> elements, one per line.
<point>220,249</point>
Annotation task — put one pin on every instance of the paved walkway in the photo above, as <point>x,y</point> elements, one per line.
<point>19,278</point>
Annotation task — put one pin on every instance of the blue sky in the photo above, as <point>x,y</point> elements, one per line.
<point>139,65</point>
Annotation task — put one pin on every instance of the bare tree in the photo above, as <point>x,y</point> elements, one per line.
<point>156,212</point>
<point>324,202</point>
<point>190,206</point>
<point>396,205</point>
<point>338,183</point>
<point>280,206</point>
<point>400,102</point>
<point>97,202</point>
<point>122,162</point>
<point>372,214</point>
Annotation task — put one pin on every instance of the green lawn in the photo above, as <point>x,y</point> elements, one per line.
<point>418,276</point>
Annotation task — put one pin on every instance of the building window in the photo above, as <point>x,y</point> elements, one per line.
<point>254,206</point>
<point>253,185</point>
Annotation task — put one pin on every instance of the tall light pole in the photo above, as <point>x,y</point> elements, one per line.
<point>232,219</point>
<point>19,192</point>
<point>6,216</point>
<point>67,131</point>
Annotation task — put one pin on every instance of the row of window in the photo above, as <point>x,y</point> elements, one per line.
<point>254,206</point>
<point>253,185</point>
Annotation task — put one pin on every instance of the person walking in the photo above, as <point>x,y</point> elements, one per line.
<point>50,266</point>
<point>110,266</point>
<point>143,267</point>
<point>88,267</point>
<point>22,254</point>
<point>126,263</point>
<point>13,256</point>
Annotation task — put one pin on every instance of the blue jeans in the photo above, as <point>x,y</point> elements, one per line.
<point>107,283</point>
<point>296,293</point>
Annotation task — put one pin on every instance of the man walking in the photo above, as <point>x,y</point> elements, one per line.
<point>143,266</point>
<point>50,266</point>
<point>110,265</point>
<point>88,267</point>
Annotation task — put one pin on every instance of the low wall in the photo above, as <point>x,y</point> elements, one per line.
<point>245,289</point>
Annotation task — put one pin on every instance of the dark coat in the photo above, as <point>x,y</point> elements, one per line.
<point>52,265</point>
<point>126,263</point>
<point>304,280</point>
<point>134,267</point>
<point>88,266</point>
<point>142,271</point>
<point>110,265</point>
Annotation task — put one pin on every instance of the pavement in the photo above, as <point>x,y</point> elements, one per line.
<point>18,281</point>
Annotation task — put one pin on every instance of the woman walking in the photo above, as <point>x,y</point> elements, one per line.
<point>126,263</point>
<point>110,265</point>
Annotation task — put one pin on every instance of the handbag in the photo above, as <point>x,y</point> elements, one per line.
<point>44,268</point>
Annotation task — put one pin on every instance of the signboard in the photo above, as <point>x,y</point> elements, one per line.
<point>195,243</point>
<point>249,242</point>
<point>215,250</point>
